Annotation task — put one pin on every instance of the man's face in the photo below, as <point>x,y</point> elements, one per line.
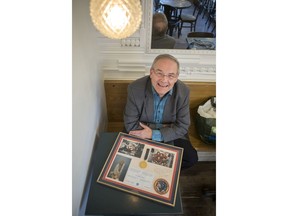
<point>163,76</point>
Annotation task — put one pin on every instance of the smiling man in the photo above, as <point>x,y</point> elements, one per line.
<point>157,107</point>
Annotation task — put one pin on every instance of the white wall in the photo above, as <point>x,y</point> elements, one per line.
<point>88,109</point>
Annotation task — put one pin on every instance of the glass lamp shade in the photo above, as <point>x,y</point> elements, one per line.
<point>116,19</point>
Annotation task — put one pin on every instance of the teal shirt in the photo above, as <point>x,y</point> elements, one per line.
<point>159,104</point>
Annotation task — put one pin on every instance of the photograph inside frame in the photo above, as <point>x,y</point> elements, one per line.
<point>143,167</point>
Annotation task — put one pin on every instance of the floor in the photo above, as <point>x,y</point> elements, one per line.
<point>198,189</point>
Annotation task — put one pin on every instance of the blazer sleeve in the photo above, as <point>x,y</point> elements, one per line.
<point>132,111</point>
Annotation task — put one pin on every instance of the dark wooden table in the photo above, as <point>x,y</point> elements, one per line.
<point>104,200</point>
<point>178,4</point>
<point>173,10</point>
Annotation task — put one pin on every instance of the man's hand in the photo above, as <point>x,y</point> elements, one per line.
<point>145,133</point>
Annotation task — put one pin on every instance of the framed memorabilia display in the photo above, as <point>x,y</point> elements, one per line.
<point>143,167</point>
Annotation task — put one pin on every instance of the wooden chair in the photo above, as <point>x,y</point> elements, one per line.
<point>191,19</point>
<point>173,19</point>
<point>208,6</point>
<point>211,18</point>
<point>156,5</point>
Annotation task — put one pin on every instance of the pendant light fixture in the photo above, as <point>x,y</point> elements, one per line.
<point>116,19</point>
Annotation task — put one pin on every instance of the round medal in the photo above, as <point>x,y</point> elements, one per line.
<point>143,164</point>
<point>161,186</point>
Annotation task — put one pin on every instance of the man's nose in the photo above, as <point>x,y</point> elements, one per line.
<point>165,77</point>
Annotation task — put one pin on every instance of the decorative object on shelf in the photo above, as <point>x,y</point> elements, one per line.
<point>116,19</point>
<point>130,42</point>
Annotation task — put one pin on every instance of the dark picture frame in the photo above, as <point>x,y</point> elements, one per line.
<point>144,168</point>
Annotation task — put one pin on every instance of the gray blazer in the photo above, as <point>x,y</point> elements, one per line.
<point>140,108</point>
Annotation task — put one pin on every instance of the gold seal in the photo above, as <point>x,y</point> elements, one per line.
<point>143,164</point>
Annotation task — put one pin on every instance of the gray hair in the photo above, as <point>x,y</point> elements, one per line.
<point>167,56</point>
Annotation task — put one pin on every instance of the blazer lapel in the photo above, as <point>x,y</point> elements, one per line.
<point>169,109</point>
<point>148,102</point>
